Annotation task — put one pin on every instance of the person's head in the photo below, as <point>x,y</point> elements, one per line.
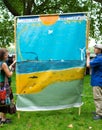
<point>98,49</point>
<point>3,54</point>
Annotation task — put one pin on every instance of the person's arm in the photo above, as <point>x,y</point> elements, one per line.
<point>10,67</point>
<point>6,70</point>
<point>88,58</point>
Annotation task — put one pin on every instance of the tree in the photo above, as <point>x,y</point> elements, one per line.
<point>96,20</point>
<point>33,7</point>
<point>6,27</point>
<point>36,7</point>
<point>98,1</point>
<point>94,9</point>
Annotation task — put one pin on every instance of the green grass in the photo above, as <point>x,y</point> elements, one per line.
<point>60,119</point>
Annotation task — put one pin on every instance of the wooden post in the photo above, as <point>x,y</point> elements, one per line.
<point>87,33</point>
<point>79,112</point>
<point>18,114</point>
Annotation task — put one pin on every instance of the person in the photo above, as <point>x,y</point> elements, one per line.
<point>5,70</point>
<point>96,79</point>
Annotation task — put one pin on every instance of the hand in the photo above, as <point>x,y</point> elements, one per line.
<point>88,53</point>
<point>11,66</point>
<point>13,62</point>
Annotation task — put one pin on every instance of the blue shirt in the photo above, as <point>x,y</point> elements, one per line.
<point>96,76</point>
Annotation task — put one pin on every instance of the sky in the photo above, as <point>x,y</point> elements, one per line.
<point>91,43</point>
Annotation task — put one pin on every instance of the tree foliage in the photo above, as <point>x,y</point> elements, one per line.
<point>96,20</point>
<point>95,15</point>
<point>36,7</point>
<point>33,7</point>
<point>6,27</point>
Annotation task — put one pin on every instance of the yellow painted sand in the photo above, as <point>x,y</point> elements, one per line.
<point>26,84</point>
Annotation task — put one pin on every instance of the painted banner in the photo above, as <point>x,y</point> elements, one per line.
<point>51,60</point>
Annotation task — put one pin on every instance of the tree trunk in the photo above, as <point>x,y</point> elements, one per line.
<point>27,6</point>
<point>10,8</point>
<point>100,1</point>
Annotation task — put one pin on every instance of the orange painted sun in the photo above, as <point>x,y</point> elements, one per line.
<point>49,20</point>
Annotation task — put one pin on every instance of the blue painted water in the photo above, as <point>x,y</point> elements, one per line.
<point>38,66</point>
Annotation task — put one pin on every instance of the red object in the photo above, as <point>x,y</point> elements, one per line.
<point>3,95</point>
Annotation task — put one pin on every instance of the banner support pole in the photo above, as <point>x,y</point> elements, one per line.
<point>18,114</point>
<point>79,112</point>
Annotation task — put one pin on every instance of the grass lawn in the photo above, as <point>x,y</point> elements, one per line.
<point>60,119</point>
